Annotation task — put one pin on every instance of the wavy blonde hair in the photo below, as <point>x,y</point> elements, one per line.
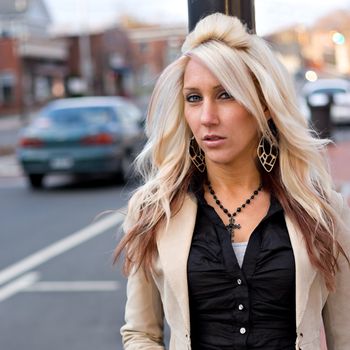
<point>249,71</point>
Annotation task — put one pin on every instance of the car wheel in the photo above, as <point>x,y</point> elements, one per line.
<point>36,180</point>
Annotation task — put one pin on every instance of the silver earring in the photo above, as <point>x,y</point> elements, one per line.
<point>197,155</point>
<point>267,153</point>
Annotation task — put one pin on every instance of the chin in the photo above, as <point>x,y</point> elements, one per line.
<point>221,160</point>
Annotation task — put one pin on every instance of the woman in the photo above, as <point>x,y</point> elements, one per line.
<point>236,236</point>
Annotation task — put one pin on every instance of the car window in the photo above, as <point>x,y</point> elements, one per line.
<point>82,115</point>
<point>128,113</point>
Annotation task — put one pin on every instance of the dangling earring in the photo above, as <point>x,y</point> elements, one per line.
<point>197,155</point>
<point>267,153</point>
<point>268,150</point>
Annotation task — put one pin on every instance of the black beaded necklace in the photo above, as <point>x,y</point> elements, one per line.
<point>232,225</point>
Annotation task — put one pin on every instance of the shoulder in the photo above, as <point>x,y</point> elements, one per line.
<point>186,209</point>
<point>181,216</point>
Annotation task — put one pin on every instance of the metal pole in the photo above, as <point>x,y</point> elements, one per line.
<point>243,9</point>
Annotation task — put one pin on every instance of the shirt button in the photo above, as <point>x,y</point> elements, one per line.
<point>242,330</point>
<point>239,281</point>
<point>240,307</point>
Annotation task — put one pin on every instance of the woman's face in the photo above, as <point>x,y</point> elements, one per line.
<point>222,127</point>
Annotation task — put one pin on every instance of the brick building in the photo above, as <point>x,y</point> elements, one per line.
<point>124,60</point>
<point>32,65</point>
<point>153,48</point>
<point>103,61</point>
<point>36,67</point>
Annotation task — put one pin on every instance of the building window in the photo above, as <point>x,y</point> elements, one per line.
<point>7,87</point>
<point>144,47</point>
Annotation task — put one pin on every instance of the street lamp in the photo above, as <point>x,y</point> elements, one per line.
<point>243,9</point>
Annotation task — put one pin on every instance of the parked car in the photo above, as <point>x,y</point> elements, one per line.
<point>85,135</point>
<point>338,90</point>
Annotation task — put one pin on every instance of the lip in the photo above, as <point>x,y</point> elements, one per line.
<point>212,140</point>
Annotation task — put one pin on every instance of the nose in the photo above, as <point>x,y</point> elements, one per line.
<point>209,113</point>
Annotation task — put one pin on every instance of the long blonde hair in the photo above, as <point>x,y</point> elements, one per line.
<point>249,71</point>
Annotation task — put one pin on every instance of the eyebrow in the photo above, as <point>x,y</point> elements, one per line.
<point>217,87</point>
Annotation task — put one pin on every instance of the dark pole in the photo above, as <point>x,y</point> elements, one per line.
<point>243,9</point>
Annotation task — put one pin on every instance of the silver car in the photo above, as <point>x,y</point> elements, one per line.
<point>335,90</point>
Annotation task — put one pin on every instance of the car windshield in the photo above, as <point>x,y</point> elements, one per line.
<point>81,115</point>
<point>330,90</point>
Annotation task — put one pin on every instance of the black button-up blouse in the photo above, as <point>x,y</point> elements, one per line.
<point>235,308</point>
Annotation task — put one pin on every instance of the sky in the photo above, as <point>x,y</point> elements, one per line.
<point>72,15</point>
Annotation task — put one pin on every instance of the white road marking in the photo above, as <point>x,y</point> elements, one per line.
<point>74,286</point>
<point>9,166</point>
<point>18,285</point>
<point>60,247</point>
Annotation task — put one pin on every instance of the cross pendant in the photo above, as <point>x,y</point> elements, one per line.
<point>232,226</point>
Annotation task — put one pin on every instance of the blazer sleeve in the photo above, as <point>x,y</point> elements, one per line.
<point>336,313</point>
<point>144,316</point>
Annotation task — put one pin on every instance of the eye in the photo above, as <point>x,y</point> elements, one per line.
<point>193,98</point>
<point>224,95</point>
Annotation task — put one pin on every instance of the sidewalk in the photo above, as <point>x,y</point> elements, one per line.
<point>9,129</point>
<point>14,122</point>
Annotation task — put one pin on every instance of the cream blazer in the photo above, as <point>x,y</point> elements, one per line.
<point>165,293</point>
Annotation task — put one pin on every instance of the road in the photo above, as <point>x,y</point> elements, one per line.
<point>58,288</point>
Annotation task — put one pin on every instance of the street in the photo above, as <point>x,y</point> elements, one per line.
<point>58,288</point>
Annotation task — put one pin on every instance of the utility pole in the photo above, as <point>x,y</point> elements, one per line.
<point>243,9</point>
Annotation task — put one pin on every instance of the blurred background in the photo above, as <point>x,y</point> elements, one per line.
<point>75,81</point>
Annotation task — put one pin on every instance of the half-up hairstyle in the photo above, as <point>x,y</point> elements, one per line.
<point>248,70</point>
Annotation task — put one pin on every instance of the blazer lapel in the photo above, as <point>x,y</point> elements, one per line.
<point>304,271</point>
<point>173,244</point>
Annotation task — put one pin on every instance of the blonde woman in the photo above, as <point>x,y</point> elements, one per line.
<point>236,237</point>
